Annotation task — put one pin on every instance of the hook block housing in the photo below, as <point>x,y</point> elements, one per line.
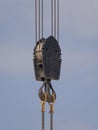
<point>47,59</point>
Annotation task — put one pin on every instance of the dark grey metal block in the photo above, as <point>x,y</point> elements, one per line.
<point>47,59</point>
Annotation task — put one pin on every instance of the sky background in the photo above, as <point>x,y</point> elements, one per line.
<point>76,107</point>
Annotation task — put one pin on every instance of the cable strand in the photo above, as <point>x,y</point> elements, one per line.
<point>43,114</point>
<point>43,121</point>
<point>51,116</point>
<point>55,18</point>
<point>58,20</point>
<point>35,20</point>
<point>42,18</point>
<point>51,17</point>
<point>39,18</point>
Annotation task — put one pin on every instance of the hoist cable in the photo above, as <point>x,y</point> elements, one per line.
<point>51,121</point>
<point>43,112</point>
<point>58,20</point>
<point>51,116</point>
<point>43,120</point>
<point>35,20</point>
<point>51,17</point>
<point>39,18</point>
<point>42,18</point>
<point>55,18</point>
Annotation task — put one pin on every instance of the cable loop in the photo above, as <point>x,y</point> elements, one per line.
<point>54,97</point>
<point>45,96</point>
<point>47,93</point>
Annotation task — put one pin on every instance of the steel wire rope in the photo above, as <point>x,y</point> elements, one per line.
<point>43,120</point>
<point>51,115</point>
<point>51,121</point>
<point>58,20</point>
<point>42,18</point>
<point>35,20</point>
<point>55,18</point>
<point>51,17</point>
<point>39,18</point>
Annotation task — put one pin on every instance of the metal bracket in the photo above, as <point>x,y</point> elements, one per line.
<point>47,93</point>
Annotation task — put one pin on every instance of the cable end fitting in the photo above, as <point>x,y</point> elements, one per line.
<point>43,106</point>
<point>51,108</point>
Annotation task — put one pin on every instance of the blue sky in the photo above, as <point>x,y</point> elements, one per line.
<point>76,107</point>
